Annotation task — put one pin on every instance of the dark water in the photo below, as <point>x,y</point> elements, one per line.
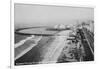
<point>35,54</point>
<point>19,37</point>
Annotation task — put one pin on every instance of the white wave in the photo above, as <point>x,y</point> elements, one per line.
<point>29,47</point>
<point>23,41</point>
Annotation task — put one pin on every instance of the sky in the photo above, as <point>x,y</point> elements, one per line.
<point>28,15</point>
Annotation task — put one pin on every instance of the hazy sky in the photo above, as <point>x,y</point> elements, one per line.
<point>34,15</point>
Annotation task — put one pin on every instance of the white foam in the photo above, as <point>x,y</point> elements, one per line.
<point>30,47</point>
<point>23,41</point>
